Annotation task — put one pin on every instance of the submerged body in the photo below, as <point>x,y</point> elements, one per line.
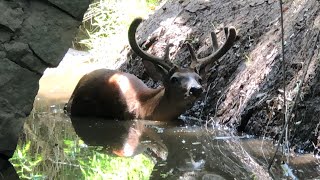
<point>117,95</point>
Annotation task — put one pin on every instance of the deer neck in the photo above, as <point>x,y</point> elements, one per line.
<point>158,105</point>
<point>170,106</point>
<point>150,100</point>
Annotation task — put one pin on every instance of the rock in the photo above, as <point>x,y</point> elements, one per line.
<point>20,53</point>
<point>33,35</point>
<point>18,87</point>
<point>47,35</point>
<point>5,34</point>
<point>10,17</point>
<point>76,7</point>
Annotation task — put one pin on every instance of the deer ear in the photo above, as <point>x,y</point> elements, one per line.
<point>173,70</point>
<point>152,71</point>
<point>155,71</point>
<point>165,75</point>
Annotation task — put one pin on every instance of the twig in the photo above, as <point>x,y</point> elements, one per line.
<point>295,101</point>
<point>289,113</point>
<point>284,84</point>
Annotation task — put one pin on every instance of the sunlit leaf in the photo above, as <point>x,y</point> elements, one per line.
<point>26,148</point>
<point>19,154</point>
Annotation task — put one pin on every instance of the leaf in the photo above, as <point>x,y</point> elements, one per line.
<point>19,154</point>
<point>27,168</point>
<point>26,148</point>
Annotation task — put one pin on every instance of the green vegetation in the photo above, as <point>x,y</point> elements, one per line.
<point>26,164</point>
<point>115,167</point>
<point>50,149</point>
<point>104,29</point>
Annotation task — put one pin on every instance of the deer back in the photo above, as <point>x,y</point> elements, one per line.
<point>111,94</point>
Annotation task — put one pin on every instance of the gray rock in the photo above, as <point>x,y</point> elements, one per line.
<point>33,35</point>
<point>194,6</point>
<point>10,18</point>
<point>76,8</point>
<point>18,88</point>
<point>18,85</point>
<point>21,54</point>
<point>49,32</point>
<point>5,34</point>
<point>10,126</point>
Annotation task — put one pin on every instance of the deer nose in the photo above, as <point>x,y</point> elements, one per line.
<point>196,91</point>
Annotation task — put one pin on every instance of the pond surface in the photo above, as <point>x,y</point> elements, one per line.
<point>55,146</point>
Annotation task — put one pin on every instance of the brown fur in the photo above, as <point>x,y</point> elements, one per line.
<point>118,95</point>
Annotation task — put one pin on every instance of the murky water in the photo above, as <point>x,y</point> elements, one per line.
<point>55,146</point>
<point>89,148</point>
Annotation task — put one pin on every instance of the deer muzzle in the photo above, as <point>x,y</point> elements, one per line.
<point>194,89</point>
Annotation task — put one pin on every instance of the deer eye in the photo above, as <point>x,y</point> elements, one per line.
<point>174,80</point>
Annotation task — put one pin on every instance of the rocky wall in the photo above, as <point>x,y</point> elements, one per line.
<point>34,35</point>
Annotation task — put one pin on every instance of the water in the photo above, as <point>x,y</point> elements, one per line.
<point>88,148</point>
<point>55,146</point>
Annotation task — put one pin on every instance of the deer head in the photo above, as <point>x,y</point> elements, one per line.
<point>177,80</point>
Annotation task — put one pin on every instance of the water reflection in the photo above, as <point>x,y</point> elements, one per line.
<point>177,150</point>
<point>182,152</point>
<point>56,147</point>
<point>122,138</point>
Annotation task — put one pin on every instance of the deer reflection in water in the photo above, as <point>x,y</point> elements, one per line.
<point>171,146</point>
<point>122,138</point>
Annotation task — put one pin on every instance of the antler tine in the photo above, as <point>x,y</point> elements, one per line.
<point>166,53</point>
<point>144,55</point>
<point>230,38</point>
<point>230,34</point>
<point>226,31</point>
<point>214,41</point>
<point>193,55</point>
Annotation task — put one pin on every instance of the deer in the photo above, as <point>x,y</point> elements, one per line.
<point>113,94</point>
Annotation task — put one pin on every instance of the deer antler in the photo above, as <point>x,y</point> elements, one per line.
<point>163,62</point>
<point>217,53</point>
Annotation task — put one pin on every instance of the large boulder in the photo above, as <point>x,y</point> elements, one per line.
<point>34,35</point>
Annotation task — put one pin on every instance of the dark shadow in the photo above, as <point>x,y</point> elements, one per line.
<point>7,171</point>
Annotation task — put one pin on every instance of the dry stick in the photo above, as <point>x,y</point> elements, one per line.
<point>296,98</point>
<point>284,84</point>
